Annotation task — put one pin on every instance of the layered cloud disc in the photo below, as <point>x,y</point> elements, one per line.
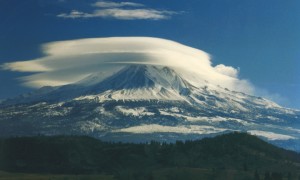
<point>67,62</point>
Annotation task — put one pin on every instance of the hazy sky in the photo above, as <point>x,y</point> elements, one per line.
<point>260,38</point>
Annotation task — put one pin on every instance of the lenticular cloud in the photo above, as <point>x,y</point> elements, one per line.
<point>67,62</point>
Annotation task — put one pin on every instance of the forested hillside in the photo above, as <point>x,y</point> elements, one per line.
<point>235,155</point>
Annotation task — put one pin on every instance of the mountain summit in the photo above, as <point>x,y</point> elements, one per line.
<point>143,102</point>
<point>143,82</point>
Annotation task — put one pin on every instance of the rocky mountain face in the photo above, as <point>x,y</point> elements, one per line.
<point>141,103</point>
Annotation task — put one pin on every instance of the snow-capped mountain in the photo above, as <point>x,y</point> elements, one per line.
<point>143,102</point>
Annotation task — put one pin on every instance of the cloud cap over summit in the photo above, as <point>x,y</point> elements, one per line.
<point>69,61</point>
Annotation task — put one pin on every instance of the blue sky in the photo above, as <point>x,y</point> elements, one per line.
<point>261,38</point>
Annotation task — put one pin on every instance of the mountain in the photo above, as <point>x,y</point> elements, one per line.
<point>237,155</point>
<point>141,103</point>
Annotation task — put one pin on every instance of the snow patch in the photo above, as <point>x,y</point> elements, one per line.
<point>203,118</point>
<point>140,111</point>
<point>90,126</point>
<point>101,110</point>
<point>175,109</point>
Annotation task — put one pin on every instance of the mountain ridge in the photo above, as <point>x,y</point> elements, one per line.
<point>154,101</point>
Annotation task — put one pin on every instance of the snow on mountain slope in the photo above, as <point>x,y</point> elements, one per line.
<point>140,102</point>
<point>142,82</point>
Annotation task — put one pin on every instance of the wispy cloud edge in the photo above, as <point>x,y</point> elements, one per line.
<point>109,9</point>
<point>110,4</point>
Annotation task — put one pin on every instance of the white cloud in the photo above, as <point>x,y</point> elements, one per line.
<point>22,67</point>
<point>70,61</point>
<point>123,14</point>
<point>116,10</point>
<point>227,70</point>
<point>126,14</point>
<point>110,4</point>
<point>75,14</point>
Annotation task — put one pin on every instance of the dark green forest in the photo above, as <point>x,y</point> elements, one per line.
<point>229,156</point>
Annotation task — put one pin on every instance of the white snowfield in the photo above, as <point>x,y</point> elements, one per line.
<point>156,128</point>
